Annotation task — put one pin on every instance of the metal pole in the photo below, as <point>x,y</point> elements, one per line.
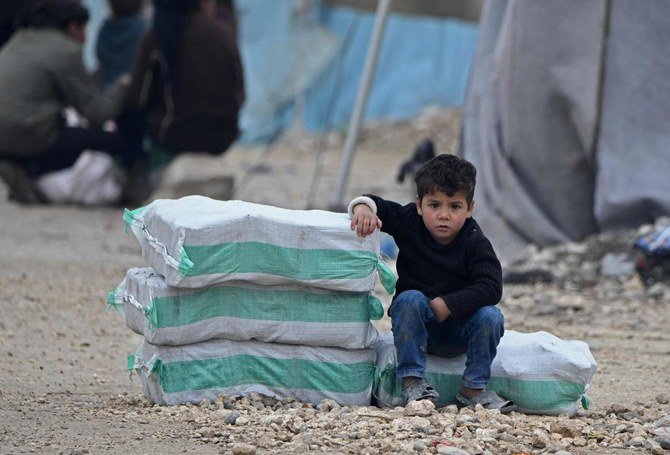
<point>359,107</point>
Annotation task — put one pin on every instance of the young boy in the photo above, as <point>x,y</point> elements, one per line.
<point>449,280</point>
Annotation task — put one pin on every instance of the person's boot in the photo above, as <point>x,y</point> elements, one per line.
<point>22,188</point>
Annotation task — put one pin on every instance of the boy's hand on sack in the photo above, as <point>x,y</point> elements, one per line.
<point>440,309</point>
<point>364,221</point>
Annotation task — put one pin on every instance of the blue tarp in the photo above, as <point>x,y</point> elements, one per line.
<point>423,61</point>
<point>318,55</point>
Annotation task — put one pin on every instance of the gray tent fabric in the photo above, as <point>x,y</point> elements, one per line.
<point>633,184</point>
<point>558,122</point>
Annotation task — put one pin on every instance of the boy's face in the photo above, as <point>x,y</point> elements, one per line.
<point>444,215</point>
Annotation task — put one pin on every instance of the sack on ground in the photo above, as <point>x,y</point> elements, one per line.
<point>92,180</point>
<point>242,311</point>
<point>197,241</point>
<point>173,375</point>
<point>540,372</point>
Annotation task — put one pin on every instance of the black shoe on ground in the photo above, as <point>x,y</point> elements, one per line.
<point>22,188</point>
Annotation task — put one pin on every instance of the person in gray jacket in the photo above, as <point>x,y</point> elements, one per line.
<point>41,74</point>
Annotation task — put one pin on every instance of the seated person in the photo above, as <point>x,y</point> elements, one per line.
<point>41,74</point>
<point>187,82</point>
<point>449,280</point>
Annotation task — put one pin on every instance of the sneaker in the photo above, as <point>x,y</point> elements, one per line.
<point>21,187</point>
<point>419,389</point>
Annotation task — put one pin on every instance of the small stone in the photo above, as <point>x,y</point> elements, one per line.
<point>242,420</point>
<point>540,439</point>
<point>420,446</point>
<point>327,405</point>
<point>243,449</point>
<point>187,417</point>
<point>631,415</point>
<point>258,405</point>
<point>419,408</point>
<point>206,432</point>
<point>567,428</point>
<point>228,404</point>
<point>662,398</point>
<point>579,442</point>
<point>662,422</point>
<point>508,438</point>
<point>419,424</point>
<point>637,441</point>
<point>618,409</point>
<point>269,402</point>
<point>255,396</point>
<point>386,446</point>
<point>231,418</point>
<point>451,409</point>
<point>450,450</point>
<point>656,291</point>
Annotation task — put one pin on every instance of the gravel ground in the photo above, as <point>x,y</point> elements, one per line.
<point>64,387</point>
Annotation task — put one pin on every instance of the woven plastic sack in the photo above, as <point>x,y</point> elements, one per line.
<point>241,311</point>
<point>91,181</point>
<point>197,241</point>
<point>173,375</point>
<point>540,372</point>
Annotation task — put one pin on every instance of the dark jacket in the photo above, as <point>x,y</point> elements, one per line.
<point>117,45</point>
<point>466,273</point>
<point>198,109</point>
<point>42,72</point>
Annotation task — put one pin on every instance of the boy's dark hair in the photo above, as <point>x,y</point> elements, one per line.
<point>126,7</point>
<point>53,14</point>
<point>449,174</point>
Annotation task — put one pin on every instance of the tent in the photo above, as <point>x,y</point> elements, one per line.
<point>566,119</point>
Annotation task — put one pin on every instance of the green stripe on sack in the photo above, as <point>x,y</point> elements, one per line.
<point>272,372</point>
<point>295,263</point>
<point>533,395</point>
<point>387,277</point>
<point>130,362</point>
<point>257,304</point>
<point>545,395</point>
<point>130,216</point>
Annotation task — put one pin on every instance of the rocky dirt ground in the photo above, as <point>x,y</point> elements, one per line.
<point>64,387</point>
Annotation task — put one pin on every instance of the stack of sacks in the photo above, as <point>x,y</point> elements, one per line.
<point>245,298</point>
<point>540,372</point>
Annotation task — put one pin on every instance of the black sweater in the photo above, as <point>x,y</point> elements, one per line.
<point>466,273</point>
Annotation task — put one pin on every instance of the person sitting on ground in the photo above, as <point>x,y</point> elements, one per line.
<point>449,280</point>
<point>118,39</point>
<point>187,81</point>
<point>41,74</point>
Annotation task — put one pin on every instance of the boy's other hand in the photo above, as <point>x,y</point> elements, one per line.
<point>364,221</point>
<point>440,309</point>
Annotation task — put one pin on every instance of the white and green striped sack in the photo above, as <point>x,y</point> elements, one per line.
<point>242,311</point>
<point>196,241</point>
<point>540,372</point>
<point>173,375</point>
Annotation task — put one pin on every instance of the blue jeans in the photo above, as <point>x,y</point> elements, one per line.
<point>417,332</point>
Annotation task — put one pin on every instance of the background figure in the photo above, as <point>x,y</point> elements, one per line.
<point>41,74</point>
<point>118,39</point>
<point>187,82</point>
<point>225,14</point>
<point>9,13</point>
